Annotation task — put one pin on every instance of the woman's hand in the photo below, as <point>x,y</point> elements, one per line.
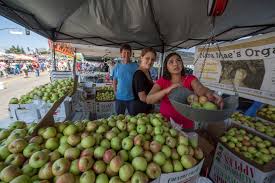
<point>170,88</point>
<point>216,99</point>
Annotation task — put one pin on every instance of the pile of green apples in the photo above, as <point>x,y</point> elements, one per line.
<point>49,93</point>
<point>251,146</point>
<point>267,112</point>
<point>119,149</point>
<point>105,95</point>
<point>201,102</point>
<point>257,124</point>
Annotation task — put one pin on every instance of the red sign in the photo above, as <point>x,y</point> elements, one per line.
<point>64,48</point>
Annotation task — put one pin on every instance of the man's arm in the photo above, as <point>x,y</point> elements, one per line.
<point>115,85</point>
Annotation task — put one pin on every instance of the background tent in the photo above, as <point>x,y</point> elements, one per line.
<point>156,23</point>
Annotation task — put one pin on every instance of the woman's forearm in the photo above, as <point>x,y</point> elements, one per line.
<point>153,98</point>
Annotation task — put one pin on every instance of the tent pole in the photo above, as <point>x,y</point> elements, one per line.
<point>161,62</point>
<point>74,63</point>
<point>54,61</point>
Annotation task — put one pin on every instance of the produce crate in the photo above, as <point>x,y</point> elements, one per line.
<point>243,123</point>
<point>228,167</point>
<point>188,176</point>
<point>12,109</point>
<point>57,75</point>
<point>27,115</point>
<point>61,113</point>
<point>231,166</point>
<point>265,118</point>
<point>104,91</point>
<point>102,107</point>
<point>239,124</point>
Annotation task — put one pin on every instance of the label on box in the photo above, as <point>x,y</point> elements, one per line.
<point>229,168</point>
<point>188,176</point>
<point>103,107</point>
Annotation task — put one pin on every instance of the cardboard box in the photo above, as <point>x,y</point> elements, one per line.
<point>229,168</point>
<point>188,176</point>
<point>100,115</point>
<point>104,107</point>
<point>12,109</point>
<point>27,115</point>
<point>61,113</point>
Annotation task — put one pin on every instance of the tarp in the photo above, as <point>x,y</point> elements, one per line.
<point>173,23</point>
<point>100,51</point>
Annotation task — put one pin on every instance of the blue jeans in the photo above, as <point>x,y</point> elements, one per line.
<point>122,105</point>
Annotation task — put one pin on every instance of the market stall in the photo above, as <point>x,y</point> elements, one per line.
<point>150,148</point>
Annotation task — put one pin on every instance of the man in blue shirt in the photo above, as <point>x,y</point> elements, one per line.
<point>122,80</point>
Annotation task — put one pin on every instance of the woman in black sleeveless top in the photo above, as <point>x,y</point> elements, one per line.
<point>142,82</point>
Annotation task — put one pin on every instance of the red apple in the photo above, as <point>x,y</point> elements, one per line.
<point>109,155</point>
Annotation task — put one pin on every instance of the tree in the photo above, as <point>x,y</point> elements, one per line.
<point>22,50</point>
<point>16,50</point>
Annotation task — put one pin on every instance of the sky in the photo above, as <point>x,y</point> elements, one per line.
<point>7,39</point>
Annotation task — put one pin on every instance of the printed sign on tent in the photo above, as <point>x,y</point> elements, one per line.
<point>248,64</point>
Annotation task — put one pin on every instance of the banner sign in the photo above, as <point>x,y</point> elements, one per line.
<point>64,48</point>
<point>248,64</point>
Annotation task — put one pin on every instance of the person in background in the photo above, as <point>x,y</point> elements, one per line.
<point>122,80</point>
<point>173,77</point>
<point>17,68</point>
<point>111,68</point>
<point>25,70</point>
<point>143,82</point>
<point>35,66</point>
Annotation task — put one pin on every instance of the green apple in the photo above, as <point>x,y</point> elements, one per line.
<point>30,149</point>
<point>4,152</point>
<point>139,163</point>
<point>126,172</point>
<point>60,166</point>
<point>70,130</point>
<point>63,147</point>
<point>102,178</point>
<point>49,132</point>
<point>116,143</point>
<point>38,159</point>
<point>28,170</point>
<point>166,150</point>
<point>99,152</point>
<point>127,143</point>
<point>52,143</point>
<point>99,167</point>
<point>177,166</point>
<point>167,167</point>
<point>17,146</point>
<point>141,129</point>
<point>74,139</point>
<point>160,139</point>
<point>9,173</point>
<point>153,170</point>
<point>74,167</point>
<point>21,179</point>
<point>88,177</point>
<point>72,153</point>
<point>88,142</point>
<point>45,171</point>
<point>182,149</point>
<point>136,151</point>
<point>159,158</point>
<point>105,143</point>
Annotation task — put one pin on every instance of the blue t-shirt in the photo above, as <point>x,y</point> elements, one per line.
<point>123,74</point>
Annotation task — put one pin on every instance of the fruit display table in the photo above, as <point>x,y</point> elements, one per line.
<point>142,148</point>
<point>243,156</point>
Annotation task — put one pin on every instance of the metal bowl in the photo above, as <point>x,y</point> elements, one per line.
<point>178,99</point>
